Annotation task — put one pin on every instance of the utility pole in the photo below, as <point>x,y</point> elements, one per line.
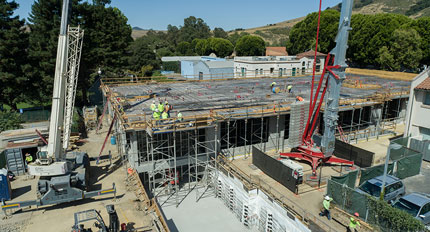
<point>394,146</point>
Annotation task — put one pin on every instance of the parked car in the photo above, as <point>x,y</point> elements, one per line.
<point>394,188</point>
<point>417,205</point>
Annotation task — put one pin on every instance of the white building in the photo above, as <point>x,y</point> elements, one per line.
<point>417,123</point>
<point>277,66</point>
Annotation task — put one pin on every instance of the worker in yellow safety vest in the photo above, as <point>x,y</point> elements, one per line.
<point>289,88</point>
<point>28,158</point>
<point>160,107</point>
<point>326,207</point>
<point>272,85</point>
<point>153,106</point>
<point>164,115</point>
<point>353,223</point>
<point>179,116</point>
<point>156,114</point>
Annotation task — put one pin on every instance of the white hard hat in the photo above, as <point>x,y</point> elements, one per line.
<point>153,101</point>
<point>327,198</point>
<point>156,110</point>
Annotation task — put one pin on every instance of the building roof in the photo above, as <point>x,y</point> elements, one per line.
<point>425,85</point>
<point>180,58</point>
<point>219,64</point>
<point>310,53</point>
<point>276,51</point>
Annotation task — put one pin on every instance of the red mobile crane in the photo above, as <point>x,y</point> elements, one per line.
<point>317,152</point>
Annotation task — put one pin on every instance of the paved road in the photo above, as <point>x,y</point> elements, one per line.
<point>420,182</point>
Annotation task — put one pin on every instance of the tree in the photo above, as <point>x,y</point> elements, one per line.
<point>221,47</point>
<point>9,120</point>
<point>13,45</point>
<point>370,33</point>
<point>404,53</point>
<point>194,28</point>
<point>250,45</point>
<point>183,48</point>
<point>422,26</point>
<point>220,33</point>
<point>202,47</point>
<point>303,35</point>
<point>106,41</point>
<point>233,38</point>
<point>141,55</point>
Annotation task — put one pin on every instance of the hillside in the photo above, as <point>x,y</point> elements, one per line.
<point>277,34</point>
<point>411,8</point>
<point>139,32</point>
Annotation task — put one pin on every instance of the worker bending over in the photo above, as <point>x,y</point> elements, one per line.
<point>298,98</point>
<point>272,85</point>
<point>326,207</point>
<point>289,88</point>
<point>353,223</point>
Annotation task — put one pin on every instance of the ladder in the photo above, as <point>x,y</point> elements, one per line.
<point>74,47</point>
<point>341,134</point>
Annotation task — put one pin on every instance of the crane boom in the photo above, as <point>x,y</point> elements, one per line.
<point>322,152</point>
<point>335,79</point>
<point>58,97</point>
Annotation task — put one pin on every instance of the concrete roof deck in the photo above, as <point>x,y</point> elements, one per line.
<point>203,98</point>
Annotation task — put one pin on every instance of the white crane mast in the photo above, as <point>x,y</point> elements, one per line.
<point>63,98</point>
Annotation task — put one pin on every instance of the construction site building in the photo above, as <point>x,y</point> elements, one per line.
<point>230,116</point>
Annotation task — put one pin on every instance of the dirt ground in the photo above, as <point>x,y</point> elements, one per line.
<point>61,217</point>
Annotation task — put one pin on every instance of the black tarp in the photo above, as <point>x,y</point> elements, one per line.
<point>361,157</point>
<point>275,169</point>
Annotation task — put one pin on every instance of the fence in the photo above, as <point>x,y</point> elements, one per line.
<point>380,215</point>
<point>421,145</point>
<point>275,169</point>
<point>361,157</point>
<point>35,114</point>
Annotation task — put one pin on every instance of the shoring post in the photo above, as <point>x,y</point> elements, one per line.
<point>195,162</point>
<point>176,179</point>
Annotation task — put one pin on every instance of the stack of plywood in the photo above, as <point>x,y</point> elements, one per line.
<point>90,117</point>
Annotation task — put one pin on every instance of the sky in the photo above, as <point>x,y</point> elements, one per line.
<point>227,14</point>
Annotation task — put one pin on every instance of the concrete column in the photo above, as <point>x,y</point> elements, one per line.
<point>274,136</point>
<point>133,157</point>
<point>211,134</point>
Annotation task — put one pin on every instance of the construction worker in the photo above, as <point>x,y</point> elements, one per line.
<point>179,116</point>
<point>153,106</point>
<point>28,158</point>
<point>353,223</point>
<point>289,88</point>
<point>326,207</point>
<point>160,107</point>
<point>167,108</point>
<point>156,114</point>
<point>272,85</point>
<point>164,115</point>
<point>298,98</point>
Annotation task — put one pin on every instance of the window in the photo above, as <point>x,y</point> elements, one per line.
<point>271,70</point>
<point>280,72</point>
<point>303,63</point>
<point>426,98</point>
<point>243,71</point>
<point>256,71</point>
<point>317,68</point>
<point>261,71</point>
<point>294,72</point>
<point>394,187</point>
<point>425,209</point>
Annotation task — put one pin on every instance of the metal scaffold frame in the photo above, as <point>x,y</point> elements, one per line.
<point>74,47</point>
